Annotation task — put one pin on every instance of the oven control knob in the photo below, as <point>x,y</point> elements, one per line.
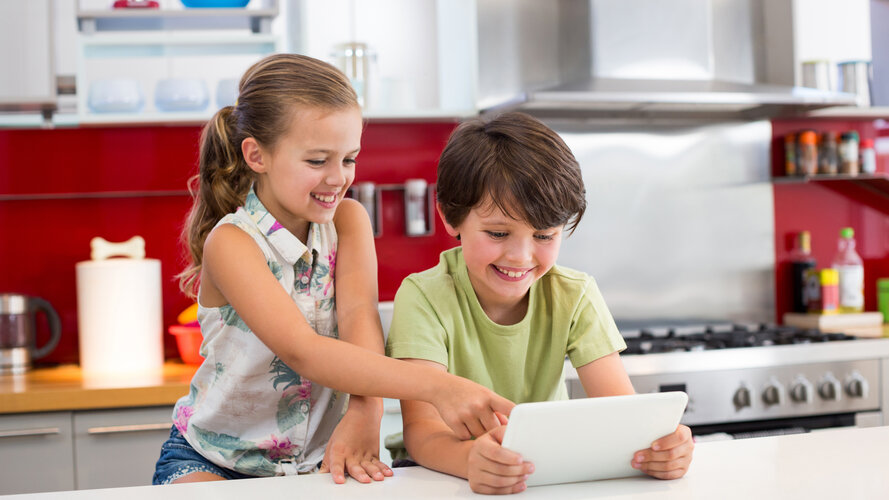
<point>741,398</point>
<point>772,394</point>
<point>856,385</point>
<point>829,388</point>
<point>801,391</point>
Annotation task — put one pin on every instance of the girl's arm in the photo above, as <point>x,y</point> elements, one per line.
<point>670,456</point>
<point>355,445</point>
<point>488,466</point>
<point>236,272</point>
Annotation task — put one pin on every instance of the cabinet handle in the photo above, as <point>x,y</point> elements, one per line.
<point>43,431</point>
<point>115,429</point>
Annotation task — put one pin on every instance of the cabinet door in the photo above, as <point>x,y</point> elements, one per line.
<point>119,447</point>
<point>36,453</point>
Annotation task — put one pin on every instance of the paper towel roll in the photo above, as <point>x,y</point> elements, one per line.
<point>119,316</point>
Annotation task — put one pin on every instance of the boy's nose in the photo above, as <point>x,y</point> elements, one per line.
<point>519,252</point>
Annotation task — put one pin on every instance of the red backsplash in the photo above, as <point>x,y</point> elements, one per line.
<point>59,188</point>
<point>823,209</point>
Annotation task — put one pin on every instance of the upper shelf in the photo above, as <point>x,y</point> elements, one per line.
<point>260,18</point>
<point>852,112</point>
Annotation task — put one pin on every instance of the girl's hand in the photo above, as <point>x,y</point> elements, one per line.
<point>494,470</point>
<point>668,457</point>
<point>354,448</point>
<point>468,408</point>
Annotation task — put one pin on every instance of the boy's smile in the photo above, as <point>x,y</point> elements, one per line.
<point>504,257</point>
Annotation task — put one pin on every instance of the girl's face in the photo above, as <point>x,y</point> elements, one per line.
<point>504,257</point>
<point>304,178</point>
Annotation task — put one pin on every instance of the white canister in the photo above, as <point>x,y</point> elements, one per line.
<point>119,312</point>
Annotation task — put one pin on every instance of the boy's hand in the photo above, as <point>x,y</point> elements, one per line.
<point>669,457</point>
<point>468,408</point>
<point>354,448</point>
<point>494,470</point>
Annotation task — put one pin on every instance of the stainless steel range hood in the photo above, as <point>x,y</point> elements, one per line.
<point>700,59</point>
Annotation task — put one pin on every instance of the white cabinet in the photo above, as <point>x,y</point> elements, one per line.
<point>58,451</point>
<point>36,453</point>
<point>145,46</point>
<point>119,447</point>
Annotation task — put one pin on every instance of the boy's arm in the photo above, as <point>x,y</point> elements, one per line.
<point>605,376</point>
<point>488,466</point>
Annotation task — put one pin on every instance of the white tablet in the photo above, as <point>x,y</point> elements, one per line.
<point>590,439</point>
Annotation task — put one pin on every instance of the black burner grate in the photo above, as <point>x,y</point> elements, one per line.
<point>738,336</point>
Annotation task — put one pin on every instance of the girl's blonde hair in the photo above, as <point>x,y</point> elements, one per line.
<point>268,94</point>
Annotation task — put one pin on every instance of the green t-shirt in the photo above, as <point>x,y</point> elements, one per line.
<point>437,317</point>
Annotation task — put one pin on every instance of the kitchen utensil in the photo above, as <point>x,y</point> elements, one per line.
<point>816,74</point>
<point>181,94</point>
<point>415,207</point>
<point>119,309</point>
<point>18,341</point>
<point>356,59</point>
<point>855,77</point>
<point>227,92</point>
<point>115,95</point>
<point>188,340</point>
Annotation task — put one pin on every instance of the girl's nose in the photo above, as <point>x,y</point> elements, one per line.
<point>336,176</point>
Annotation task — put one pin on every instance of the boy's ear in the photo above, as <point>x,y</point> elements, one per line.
<point>253,155</point>
<point>449,228</point>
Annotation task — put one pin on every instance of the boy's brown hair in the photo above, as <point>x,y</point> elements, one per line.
<point>524,166</point>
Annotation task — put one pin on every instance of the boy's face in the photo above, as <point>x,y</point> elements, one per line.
<point>504,256</point>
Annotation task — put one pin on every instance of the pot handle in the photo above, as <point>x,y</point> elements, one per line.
<point>55,326</point>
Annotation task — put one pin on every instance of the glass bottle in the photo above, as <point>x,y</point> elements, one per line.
<point>801,260</point>
<point>848,153</point>
<point>850,268</point>
<point>808,157</point>
<point>827,153</point>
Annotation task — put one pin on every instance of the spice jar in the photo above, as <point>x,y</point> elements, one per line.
<point>808,152</point>
<point>790,155</point>
<point>822,290</point>
<point>868,156</point>
<point>827,153</point>
<point>848,153</point>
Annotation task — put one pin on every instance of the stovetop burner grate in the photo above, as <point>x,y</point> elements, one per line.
<point>738,336</point>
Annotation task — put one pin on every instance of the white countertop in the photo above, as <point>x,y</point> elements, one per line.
<point>832,464</point>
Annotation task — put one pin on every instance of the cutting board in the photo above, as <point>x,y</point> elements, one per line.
<point>865,324</point>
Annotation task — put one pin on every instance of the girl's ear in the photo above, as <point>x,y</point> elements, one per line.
<point>253,155</point>
<point>449,228</point>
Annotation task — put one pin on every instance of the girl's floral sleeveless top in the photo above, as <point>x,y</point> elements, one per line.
<point>247,410</point>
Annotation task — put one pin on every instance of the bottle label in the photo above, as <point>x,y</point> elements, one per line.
<point>851,286</point>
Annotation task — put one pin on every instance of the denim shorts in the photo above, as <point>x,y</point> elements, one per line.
<point>179,459</point>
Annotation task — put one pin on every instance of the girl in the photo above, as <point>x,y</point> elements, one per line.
<point>283,266</point>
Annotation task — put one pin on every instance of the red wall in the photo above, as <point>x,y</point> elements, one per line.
<point>59,188</point>
<point>825,208</point>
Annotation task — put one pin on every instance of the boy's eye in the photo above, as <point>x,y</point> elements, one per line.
<point>544,237</point>
<point>497,234</point>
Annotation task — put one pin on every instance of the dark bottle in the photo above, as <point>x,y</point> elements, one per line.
<point>801,260</point>
<point>827,154</point>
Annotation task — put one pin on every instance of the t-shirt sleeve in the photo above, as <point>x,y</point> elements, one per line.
<point>416,330</point>
<point>593,331</point>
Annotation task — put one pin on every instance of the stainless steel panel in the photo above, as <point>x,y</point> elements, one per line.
<point>679,223</point>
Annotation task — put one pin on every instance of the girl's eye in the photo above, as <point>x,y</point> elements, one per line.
<point>350,161</point>
<point>316,163</point>
<point>497,234</point>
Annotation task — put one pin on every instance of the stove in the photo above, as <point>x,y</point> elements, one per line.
<point>748,380</point>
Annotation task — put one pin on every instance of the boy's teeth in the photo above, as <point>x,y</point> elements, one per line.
<point>512,274</point>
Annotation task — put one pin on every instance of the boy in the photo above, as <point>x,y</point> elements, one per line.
<point>498,311</point>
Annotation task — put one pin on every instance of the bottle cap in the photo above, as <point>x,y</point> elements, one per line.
<point>805,241</point>
<point>847,232</point>
<point>867,143</point>
<point>808,137</point>
<point>830,276</point>
<point>849,135</point>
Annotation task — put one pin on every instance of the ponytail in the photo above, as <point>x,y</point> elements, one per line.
<point>219,188</point>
